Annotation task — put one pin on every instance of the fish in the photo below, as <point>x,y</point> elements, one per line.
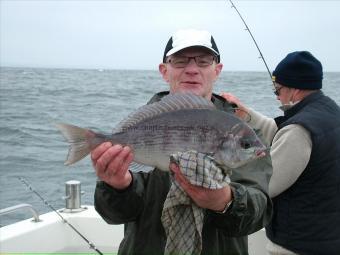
<point>176,123</point>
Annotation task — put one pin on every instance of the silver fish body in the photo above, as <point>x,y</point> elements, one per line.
<point>156,131</point>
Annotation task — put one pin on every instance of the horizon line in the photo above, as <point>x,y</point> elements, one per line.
<point>101,69</point>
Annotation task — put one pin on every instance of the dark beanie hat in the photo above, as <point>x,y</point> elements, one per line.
<point>300,70</point>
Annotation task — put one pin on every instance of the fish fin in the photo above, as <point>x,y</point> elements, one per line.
<point>236,129</point>
<point>81,141</point>
<point>137,167</point>
<point>172,102</point>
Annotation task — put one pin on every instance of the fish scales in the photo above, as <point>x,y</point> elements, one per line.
<point>184,128</point>
<point>170,132</point>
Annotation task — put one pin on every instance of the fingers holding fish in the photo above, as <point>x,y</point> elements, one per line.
<point>117,172</point>
<point>98,152</point>
<point>241,110</point>
<point>111,164</point>
<point>106,157</point>
<point>120,160</point>
<point>231,98</point>
<point>128,159</point>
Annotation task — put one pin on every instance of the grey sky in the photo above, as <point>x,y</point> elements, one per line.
<point>133,34</point>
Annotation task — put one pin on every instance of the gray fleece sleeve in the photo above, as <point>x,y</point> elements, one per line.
<point>290,153</point>
<point>266,125</point>
<point>290,150</point>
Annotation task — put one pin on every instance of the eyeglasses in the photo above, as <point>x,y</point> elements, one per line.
<point>277,90</point>
<point>183,61</point>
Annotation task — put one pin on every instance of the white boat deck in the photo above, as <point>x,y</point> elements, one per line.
<point>53,235</point>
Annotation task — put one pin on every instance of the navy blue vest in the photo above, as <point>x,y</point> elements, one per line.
<point>306,216</point>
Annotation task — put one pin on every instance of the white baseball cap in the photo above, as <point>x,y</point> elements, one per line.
<point>189,38</point>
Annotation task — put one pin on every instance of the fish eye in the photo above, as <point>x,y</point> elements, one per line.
<point>245,144</point>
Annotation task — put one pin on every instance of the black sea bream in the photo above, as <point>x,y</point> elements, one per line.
<point>177,123</point>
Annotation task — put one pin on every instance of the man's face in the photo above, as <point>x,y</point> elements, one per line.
<point>191,78</point>
<point>284,94</point>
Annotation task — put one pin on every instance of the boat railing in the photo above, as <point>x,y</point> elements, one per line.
<point>20,207</point>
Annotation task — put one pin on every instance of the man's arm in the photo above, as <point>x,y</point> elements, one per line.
<point>111,163</point>
<point>213,199</point>
<point>290,152</point>
<point>116,197</point>
<point>251,209</point>
<point>267,126</point>
<point>256,120</point>
<point>119,206</point>
<point>251,206</point>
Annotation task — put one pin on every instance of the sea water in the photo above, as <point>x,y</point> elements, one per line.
<point>32,100</point>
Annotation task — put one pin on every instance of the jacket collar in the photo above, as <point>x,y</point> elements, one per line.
<point>298,107</point>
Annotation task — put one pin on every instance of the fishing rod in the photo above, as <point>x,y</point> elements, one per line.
<point>258,48</point>
<point>92,246</point>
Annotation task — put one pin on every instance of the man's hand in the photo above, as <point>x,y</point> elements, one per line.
<point>213,199</point>
<point>242,110</point>
<point>111,163</point>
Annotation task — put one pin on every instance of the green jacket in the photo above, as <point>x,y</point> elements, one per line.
<point>140,206</point>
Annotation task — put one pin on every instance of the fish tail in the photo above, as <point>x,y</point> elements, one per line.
<point>81,141</point>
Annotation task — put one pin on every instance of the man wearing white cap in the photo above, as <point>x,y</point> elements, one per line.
<point>191,64</point>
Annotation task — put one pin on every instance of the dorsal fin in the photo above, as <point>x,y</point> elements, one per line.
<point>172,102</point>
